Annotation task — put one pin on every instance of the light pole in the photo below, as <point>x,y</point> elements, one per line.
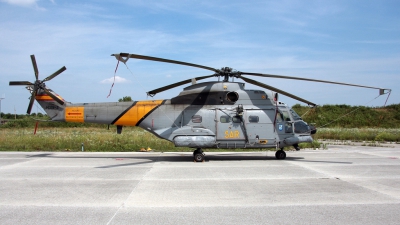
<point>3,97</point>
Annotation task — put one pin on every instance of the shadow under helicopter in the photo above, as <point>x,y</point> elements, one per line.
<point>177,157</point>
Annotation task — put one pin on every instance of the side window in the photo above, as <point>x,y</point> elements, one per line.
<point>253,119</point>
<point>286,116</point>
<point>196,119</point>
<point>225,119</point>
<point>236,119</point>
<point>288,127</point>
<point>279,116</point>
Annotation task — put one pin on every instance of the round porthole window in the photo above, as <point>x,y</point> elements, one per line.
<point>232,96</point>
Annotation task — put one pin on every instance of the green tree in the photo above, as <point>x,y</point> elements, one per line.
<point>125,99</point>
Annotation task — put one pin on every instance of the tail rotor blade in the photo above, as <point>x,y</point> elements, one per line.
<point>35,66</point>
<point>31,102</point>
<point>53,96</point>
<point>20,83</point>
<point>55,74</point>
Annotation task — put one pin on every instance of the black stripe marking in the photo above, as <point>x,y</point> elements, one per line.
<point>144,117</point>
<point>125,111</point>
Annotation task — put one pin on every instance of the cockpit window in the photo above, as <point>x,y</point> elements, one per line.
<point>300,127</point>
<point>295,115</point>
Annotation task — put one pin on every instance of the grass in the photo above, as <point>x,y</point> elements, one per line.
<point>351,116</point>
<point>359,134</point>
<point>71,139</point>
<point>134,139</point>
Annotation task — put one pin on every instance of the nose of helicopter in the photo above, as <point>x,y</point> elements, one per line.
<point>313,129</point>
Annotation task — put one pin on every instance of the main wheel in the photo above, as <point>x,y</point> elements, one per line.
<point>199,157</point>
<point>280,154</point>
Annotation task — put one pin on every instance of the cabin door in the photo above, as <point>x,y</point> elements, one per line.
<point>230,129</point>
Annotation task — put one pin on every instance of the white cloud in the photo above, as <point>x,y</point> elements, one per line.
<point>26,3</point>
<point>118,79</point>
<point>21,2</point>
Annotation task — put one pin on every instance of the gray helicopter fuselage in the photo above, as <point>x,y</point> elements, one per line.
<point>204,115</point>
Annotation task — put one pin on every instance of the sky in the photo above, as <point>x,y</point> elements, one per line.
<point>343,40</point>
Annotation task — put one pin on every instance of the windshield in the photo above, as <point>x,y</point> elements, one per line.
<point>295,115</point>
<point>300,127</point>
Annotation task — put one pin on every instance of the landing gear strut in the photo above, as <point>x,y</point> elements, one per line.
<point>199,155</point>
<point>280,154</point>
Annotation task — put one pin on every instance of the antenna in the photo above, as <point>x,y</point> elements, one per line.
<point>1,98</point>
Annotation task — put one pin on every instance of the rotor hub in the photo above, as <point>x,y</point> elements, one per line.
<point>227,72</point>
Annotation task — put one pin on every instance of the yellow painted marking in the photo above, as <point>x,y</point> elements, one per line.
<point>137,112</point>
<point>47,98</point>
<point>43,97</point>
<point>263,142</point>
<point>74,114</point>
<point>232,134</point>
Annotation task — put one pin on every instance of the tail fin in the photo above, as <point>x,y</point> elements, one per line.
<point>52,107</point>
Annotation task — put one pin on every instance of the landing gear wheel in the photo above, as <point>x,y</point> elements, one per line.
<point>199,157</point>
<point>280,154</point>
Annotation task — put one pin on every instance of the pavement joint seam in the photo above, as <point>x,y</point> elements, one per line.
<point>133,190</point>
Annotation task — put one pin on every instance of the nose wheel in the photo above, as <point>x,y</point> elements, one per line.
<point>198,155</point>
<point>280,154</point>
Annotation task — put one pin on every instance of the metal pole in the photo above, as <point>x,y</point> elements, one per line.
<point>0,107</point>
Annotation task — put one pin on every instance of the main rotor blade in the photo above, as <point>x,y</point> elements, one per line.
<point>55,74</point>
<point>118,56</point>
<point>31,101</point>
<point>158,90</point>
<point>35,67</point>
<point>251,81</point>
<point>20,83</point>
<point>307,79</point>
<point>53,96</point>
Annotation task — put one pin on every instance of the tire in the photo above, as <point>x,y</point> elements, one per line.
<point>199,157</point>
<point>280,155</point>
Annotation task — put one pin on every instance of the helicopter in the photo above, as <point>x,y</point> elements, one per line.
<point>214,114</point>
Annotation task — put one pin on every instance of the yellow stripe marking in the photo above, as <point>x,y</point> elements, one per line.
<point>43,97</point>
<point>47,98</point>
<point>137,112</point>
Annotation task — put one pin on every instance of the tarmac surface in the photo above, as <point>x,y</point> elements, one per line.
<point>344,184</point>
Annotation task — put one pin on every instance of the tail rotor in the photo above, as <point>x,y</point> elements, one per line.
<point>39,85</point>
